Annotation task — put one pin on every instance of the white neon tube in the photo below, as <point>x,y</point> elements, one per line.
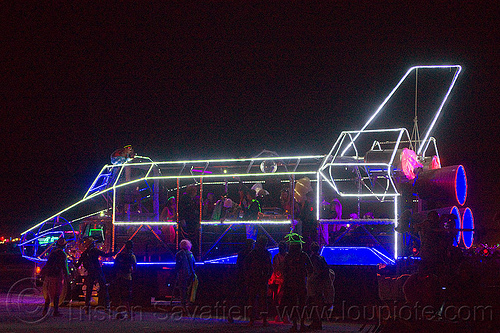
<point>436,150</point>
<point>325,160</point>
<point>382,130</point>
<point>318,177</point>
<point>359,164</point>
<point>329,182</point>
<point>351,143</point>
<point>369,194</point>
<point>382,256</point>
<point>397,87</point>
<point>393,155</point>
<point>395,226</point>
<point>455,77</point>
<point>381,106</point>
<point>149,170</point>
<point>392,183</point>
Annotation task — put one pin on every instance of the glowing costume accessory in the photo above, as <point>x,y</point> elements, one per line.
<point>294,238</point>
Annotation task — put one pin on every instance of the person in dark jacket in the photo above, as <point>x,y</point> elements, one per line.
<point>251,213</point>
<point>90,260</point>
<point>239,292</point>
<point>253,209</point>
<point>189,216</point>
<point>55,272</point>
<point>125,265</point>
<point>258,270</point>
<point>309,223</point>
<point>317,286</point>
<point>296,267</point>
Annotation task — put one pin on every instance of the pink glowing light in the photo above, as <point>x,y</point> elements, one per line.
<point>409,163</point>
<point>202,171</point>
<point>436,163</point>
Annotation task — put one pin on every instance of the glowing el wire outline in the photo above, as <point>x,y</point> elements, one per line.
<point>438,112</point>
<point>152,164</point>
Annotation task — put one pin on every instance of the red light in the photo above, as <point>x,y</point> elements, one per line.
<point>311,209</point>
<point>436,163</point>
<point>38,269</point>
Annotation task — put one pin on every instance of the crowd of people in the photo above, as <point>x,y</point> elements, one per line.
<point>291,282</point>
<point>191,210</point>
<point>56,273</point>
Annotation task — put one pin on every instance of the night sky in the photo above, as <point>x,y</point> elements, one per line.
<point>187,79</point>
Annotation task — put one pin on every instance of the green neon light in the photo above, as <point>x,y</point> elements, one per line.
<point>47,240</point>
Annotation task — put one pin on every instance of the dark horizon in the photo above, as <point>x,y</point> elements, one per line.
<point>212,80</point>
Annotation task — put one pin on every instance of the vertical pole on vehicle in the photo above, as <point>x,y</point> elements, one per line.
<point>201,217</point>
<point>113,219</point>
<point>396,212</point>
<point>358,184</point>
<point>177,216</point>
<point>156,195</point>
<point>323,228</point>
<point>292,198</point>
<point>128,173</point>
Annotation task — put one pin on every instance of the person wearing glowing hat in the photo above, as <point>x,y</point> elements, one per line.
<point>296,267</point>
